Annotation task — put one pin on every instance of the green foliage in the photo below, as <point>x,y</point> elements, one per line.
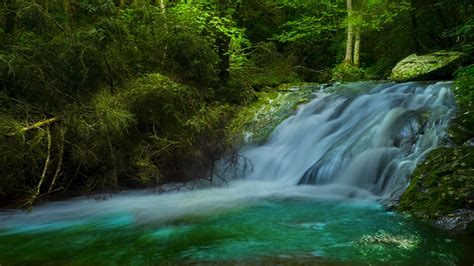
<point>464,35</point>
<point>463,125</point>
<point>465,87</point>
<point>161,97</point>
<point>347,73</point>
<point>376,14</point>
<point>158,43</point>
<point>23,155</point>
<point>310,31</point>
<point>11,157</point>
<point>316,27</point>
<point>199,65</point>
<point>148,131</point>
<point>205,19</point>
<point>267,67</point>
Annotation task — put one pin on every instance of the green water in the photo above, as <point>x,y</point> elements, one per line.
<point>270,231</point>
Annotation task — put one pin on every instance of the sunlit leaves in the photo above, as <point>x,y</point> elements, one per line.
<point>212,25</point>
<point>317,20</point>
<point>306,28</point>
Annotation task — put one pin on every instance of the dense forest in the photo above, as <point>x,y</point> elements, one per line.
<point>209,132</point>
<point>107,95</point>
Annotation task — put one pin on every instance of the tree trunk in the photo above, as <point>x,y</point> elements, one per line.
<point>357,48</point>
<point>414,27</point>
<point>162,5</point>
<point>350,36</point>
<point>10,18</point>
<point>223,48</point>
<point>45,5</point>
<point>122,4</point>
<point>68,11</point>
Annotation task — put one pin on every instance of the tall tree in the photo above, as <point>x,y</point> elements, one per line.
<point>365,16</point>
<point>162,5</point>
<point>350,35</point>
<point>356,62</point>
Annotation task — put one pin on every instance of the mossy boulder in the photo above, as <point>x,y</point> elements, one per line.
<point>442,186</point>
<point>461,131</point>
<point>254,123</point>
<point>434,66</point>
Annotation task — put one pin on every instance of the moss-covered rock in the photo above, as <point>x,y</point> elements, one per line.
<point>462,129</point>
<point>434,66</point>
<point>255,122</point>
<point>442,184</point>
<point>442,187</point>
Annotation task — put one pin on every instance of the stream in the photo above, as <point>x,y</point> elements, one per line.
<point>315,193</point>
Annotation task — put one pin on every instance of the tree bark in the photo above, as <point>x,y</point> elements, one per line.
<point>10,18</point>
<point>40,124</point>
<point>414,27</point>
<point>223,48</point>
<point>45,5</point>
<point>350,36</point>
<point>162,5</point>
<point>357,48</point>
<point>68,11</point>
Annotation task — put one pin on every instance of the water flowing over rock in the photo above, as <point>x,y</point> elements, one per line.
<point>352,145</point>
<point>435,66</point>
<point>368,136</point>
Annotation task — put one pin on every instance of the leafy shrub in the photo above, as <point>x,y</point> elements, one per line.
<point>267,67</point>
<point>346,73</point>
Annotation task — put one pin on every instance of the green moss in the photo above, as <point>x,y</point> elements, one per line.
<point>442,184</point>
<point>255,122</point>
<point>435,65</point>
<point>347,73</point>
<point>462,128</point>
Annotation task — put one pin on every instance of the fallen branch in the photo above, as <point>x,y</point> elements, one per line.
<point>61,155</point>
<point>45,170</point>
<point>40,124</point>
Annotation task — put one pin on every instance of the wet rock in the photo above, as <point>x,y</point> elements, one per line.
<point>255,123</point>
<point>457,221</point>
<point>469,142</point>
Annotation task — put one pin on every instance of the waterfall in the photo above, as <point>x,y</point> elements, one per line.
<point>359,143</point>
<point>369,136</point>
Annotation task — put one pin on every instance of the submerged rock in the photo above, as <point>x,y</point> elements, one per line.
<point>382,238</point>
<point>434,66</point>
<point>459,220</point>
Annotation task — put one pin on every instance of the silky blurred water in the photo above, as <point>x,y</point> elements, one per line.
<point>368,135</point>
<point>273,229</point>
<point>313,197</point>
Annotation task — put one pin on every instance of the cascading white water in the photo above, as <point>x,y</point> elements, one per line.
<point>369,140</point>
<point>343,145</point>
